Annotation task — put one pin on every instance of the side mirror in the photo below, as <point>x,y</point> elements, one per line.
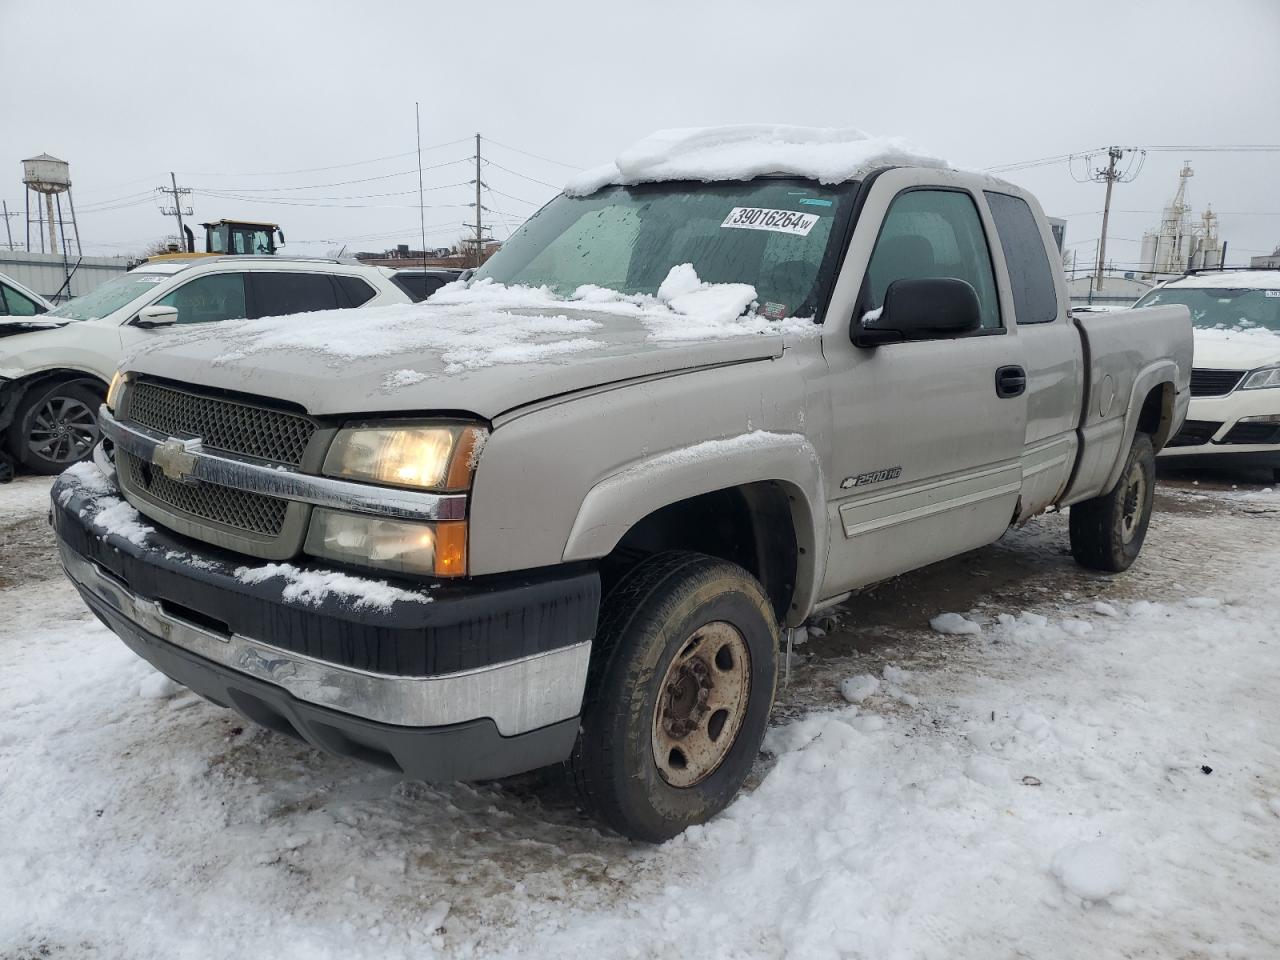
<point>924,309</point>
<point>280,234</point>
<point>156,316</point>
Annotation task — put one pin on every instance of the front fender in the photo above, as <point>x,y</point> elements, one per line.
<point>618,502</point>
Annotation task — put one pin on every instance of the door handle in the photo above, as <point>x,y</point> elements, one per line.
<point>1011,381</point>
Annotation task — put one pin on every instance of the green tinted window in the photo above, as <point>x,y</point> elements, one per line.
<point>776,234</point>
<point>218,296</point>
<point>933,234</point>
<point>15,304</point>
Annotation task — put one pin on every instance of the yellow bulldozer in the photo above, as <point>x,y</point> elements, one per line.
<point>222,237</point>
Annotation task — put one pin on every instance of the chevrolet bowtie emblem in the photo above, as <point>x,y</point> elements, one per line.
<point>177,458</point>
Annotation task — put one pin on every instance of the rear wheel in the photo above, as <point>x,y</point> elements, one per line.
<point>54,426</point>
<point>1107,532</point>
<point>678,702</point>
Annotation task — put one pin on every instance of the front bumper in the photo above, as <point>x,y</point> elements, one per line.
<point>456,681</point>
<point>1216,428</point>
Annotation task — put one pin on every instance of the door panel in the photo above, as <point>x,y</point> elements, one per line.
<point>925,458</point>
<point>1036,298</point>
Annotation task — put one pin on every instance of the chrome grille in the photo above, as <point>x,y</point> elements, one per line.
<point>1214,383</point>
<point>227,425</point>
<point>251,512</point>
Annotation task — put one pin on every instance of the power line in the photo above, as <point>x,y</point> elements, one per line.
<point>523,176</point>
<point>536,156</point>
<point>336,166</point>
<point>341,183</point>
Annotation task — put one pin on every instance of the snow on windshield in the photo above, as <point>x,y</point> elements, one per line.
<point>491,323</point>
<point>745,151</point>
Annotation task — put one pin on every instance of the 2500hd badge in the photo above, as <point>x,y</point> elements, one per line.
<point>875,476</point>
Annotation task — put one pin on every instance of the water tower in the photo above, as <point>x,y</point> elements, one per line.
<point>49,178</point>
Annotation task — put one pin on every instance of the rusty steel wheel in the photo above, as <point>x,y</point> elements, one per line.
<point>682,676</point>
<point>702,703</point>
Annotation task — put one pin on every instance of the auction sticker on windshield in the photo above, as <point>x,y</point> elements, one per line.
<point>762,218</point>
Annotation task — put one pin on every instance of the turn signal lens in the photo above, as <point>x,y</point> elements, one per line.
<point>419,549</point>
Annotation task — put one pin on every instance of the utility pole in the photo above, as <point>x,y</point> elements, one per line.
<point>177,194</point>
<point>8,232</point>
<point>1114,155</point>
<point>1111,175</point>
<point>479,223</point>
<point>422,221</point>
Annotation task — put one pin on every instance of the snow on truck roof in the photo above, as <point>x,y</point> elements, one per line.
<point>745,151</point>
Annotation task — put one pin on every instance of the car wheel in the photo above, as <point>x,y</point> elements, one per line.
<point>1107,532</point>
<point>54,426</point>
<point>682,683</point>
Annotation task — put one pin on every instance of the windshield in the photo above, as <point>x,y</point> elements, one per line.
<point>109,297</point>
<point>782,236</point>
<point>1222,308</point>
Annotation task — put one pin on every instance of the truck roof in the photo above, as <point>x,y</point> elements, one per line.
<point>747,151</point>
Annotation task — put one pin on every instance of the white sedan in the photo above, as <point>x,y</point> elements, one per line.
<point>1235,383</point>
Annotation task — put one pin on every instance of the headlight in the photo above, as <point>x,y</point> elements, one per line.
<point>115,390</point>
<point>1266,377</point>
<point>437,456</point>
<point>426,549</point>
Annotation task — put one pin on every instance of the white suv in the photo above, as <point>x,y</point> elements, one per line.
<point>55,367</point>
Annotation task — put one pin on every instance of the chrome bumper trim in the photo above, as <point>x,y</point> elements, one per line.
<point>289,484</point>
<point>518,695</point>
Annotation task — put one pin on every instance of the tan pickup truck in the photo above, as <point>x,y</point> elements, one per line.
<point>567,513</point>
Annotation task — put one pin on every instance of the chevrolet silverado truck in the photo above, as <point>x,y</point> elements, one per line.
<point>568,512</point>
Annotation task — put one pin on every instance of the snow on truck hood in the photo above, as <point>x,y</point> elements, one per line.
<point>482,350</point>
<point>745,151</point>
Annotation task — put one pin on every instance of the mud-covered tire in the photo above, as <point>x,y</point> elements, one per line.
<point>665,629</point>
<point>1107,532</point>
<point>55,425</point>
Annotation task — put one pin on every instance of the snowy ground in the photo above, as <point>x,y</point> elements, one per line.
<point>1099,775</point>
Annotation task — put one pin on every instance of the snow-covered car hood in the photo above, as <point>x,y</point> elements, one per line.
<point>1236,349</point>
<point>481,352</point>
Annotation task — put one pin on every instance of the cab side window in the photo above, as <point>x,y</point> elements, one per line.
<point>216,296</point>
<point>14,304</point>
<point>933,234</point>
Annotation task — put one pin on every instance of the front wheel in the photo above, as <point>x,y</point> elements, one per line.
<point>682,684</point>
<point>54,426</point>
<point>1107,532</point>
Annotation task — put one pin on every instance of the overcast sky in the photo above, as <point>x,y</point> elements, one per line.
<point>238,97</point>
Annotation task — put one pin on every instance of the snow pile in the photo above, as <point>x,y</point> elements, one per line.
<point>955,624</point>
<point>313,586</point>
<point>746,151</point>
<point>1091,869</point>
<point>156,686</point>
<point>856,689</point>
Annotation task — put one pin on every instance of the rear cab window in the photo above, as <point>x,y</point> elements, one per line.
<point>1035,299</point>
